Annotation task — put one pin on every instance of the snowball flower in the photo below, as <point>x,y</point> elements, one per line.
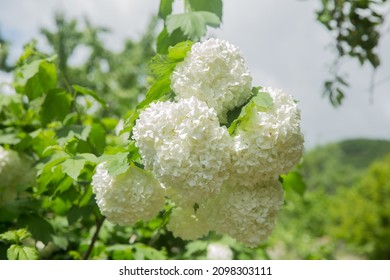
<point>218,251</point>
<point>213,71</point>
<point>270,143</point>
<point>129,197</point>
<point>185,147</point>
<point>15,172</point>
<point>187,224</point>
<point>246,214</point>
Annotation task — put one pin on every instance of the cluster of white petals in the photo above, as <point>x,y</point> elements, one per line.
<point>213,71</point>
<point>218,182</point>
<point>246,214</point>
<point>187,224</point>
<point>14,172</point>
<point>129,197</point>
<point>185,147</point>
<point>270,143</point>
<point>219,251</point>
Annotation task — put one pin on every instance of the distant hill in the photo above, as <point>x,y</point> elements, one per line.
<point>341,163</point>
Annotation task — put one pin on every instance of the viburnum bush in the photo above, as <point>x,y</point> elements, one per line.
<point>215,149</point>
<point>202,159</point>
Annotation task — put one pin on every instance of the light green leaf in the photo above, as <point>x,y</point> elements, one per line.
<point>18,252</point>
<point>193,24</point>
<point>15,236</point>
<point>213,6</point>
<point>294,181</point>
<point>263,101</point>
<point>116,164</point>
<point>73,167</point>
<point>165,40</point>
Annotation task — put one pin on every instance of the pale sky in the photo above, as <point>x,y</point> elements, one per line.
<point>281,41</point>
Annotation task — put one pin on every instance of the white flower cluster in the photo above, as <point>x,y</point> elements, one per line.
<point>218,182</point>
<point>129,197</point>
<point>271,143</point>
<point>185,147</point>
<point>15,174</point>
<point>215,72</point>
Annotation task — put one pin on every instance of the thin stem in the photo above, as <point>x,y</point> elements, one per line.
<point>99,224</point>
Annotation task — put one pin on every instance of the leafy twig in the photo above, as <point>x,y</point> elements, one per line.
<point>99,224</point>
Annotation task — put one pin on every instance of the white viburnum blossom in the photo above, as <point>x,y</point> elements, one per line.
<point>187,224</point>
<point>270,143</point>
<point>185,147</point>
<point>218,251</point>
<point>246,214</point>
<point>129,197</point>
<point>213,71</point>
<point>15,173</point>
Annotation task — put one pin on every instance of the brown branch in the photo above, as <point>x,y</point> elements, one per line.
<point>99,224</point>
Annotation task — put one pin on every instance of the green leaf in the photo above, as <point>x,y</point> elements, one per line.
<point>86,91</point>
<point>9,138</point>
<point>68,133</point>
<point>263,100</point>
<point>39,227</point>
<point>116,164</point>
<point>213,6</point>
<point>192,24</point>
<point>73,167</point>
<point>165,8</point>
<point>36,78</point>
<point>15,236</point>
<point>165,40</point>
<point>56,106</point>
<point>294,181</point>
<point>18,252</point>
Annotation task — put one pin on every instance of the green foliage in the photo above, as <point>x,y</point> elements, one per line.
<point>363,214</point>
<point>356,28</point>
<point>241,116</point>
<point>190,25</point>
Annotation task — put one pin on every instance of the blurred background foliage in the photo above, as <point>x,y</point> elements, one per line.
<point>65,112</point>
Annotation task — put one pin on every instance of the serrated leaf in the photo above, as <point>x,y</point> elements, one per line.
<point>55,106</point>
<point>18,252</point>
<point>116,164</point>
<point>36,78</point>
<point>165,8</point>
<point>86,91</point>
<point>68,133</point>
<point>192,24</point>
<point>15,236</point>
<point>72,167</point>
<point>213,6</point>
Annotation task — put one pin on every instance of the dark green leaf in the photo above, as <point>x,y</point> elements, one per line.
<point>193,24</point>
<point>39,227</point>
<point>55,107</point>
<point>68,133</point>
<point>165,8</point>
<point>18,252</point>
<point>213,6</point>
<point>165,40</point>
